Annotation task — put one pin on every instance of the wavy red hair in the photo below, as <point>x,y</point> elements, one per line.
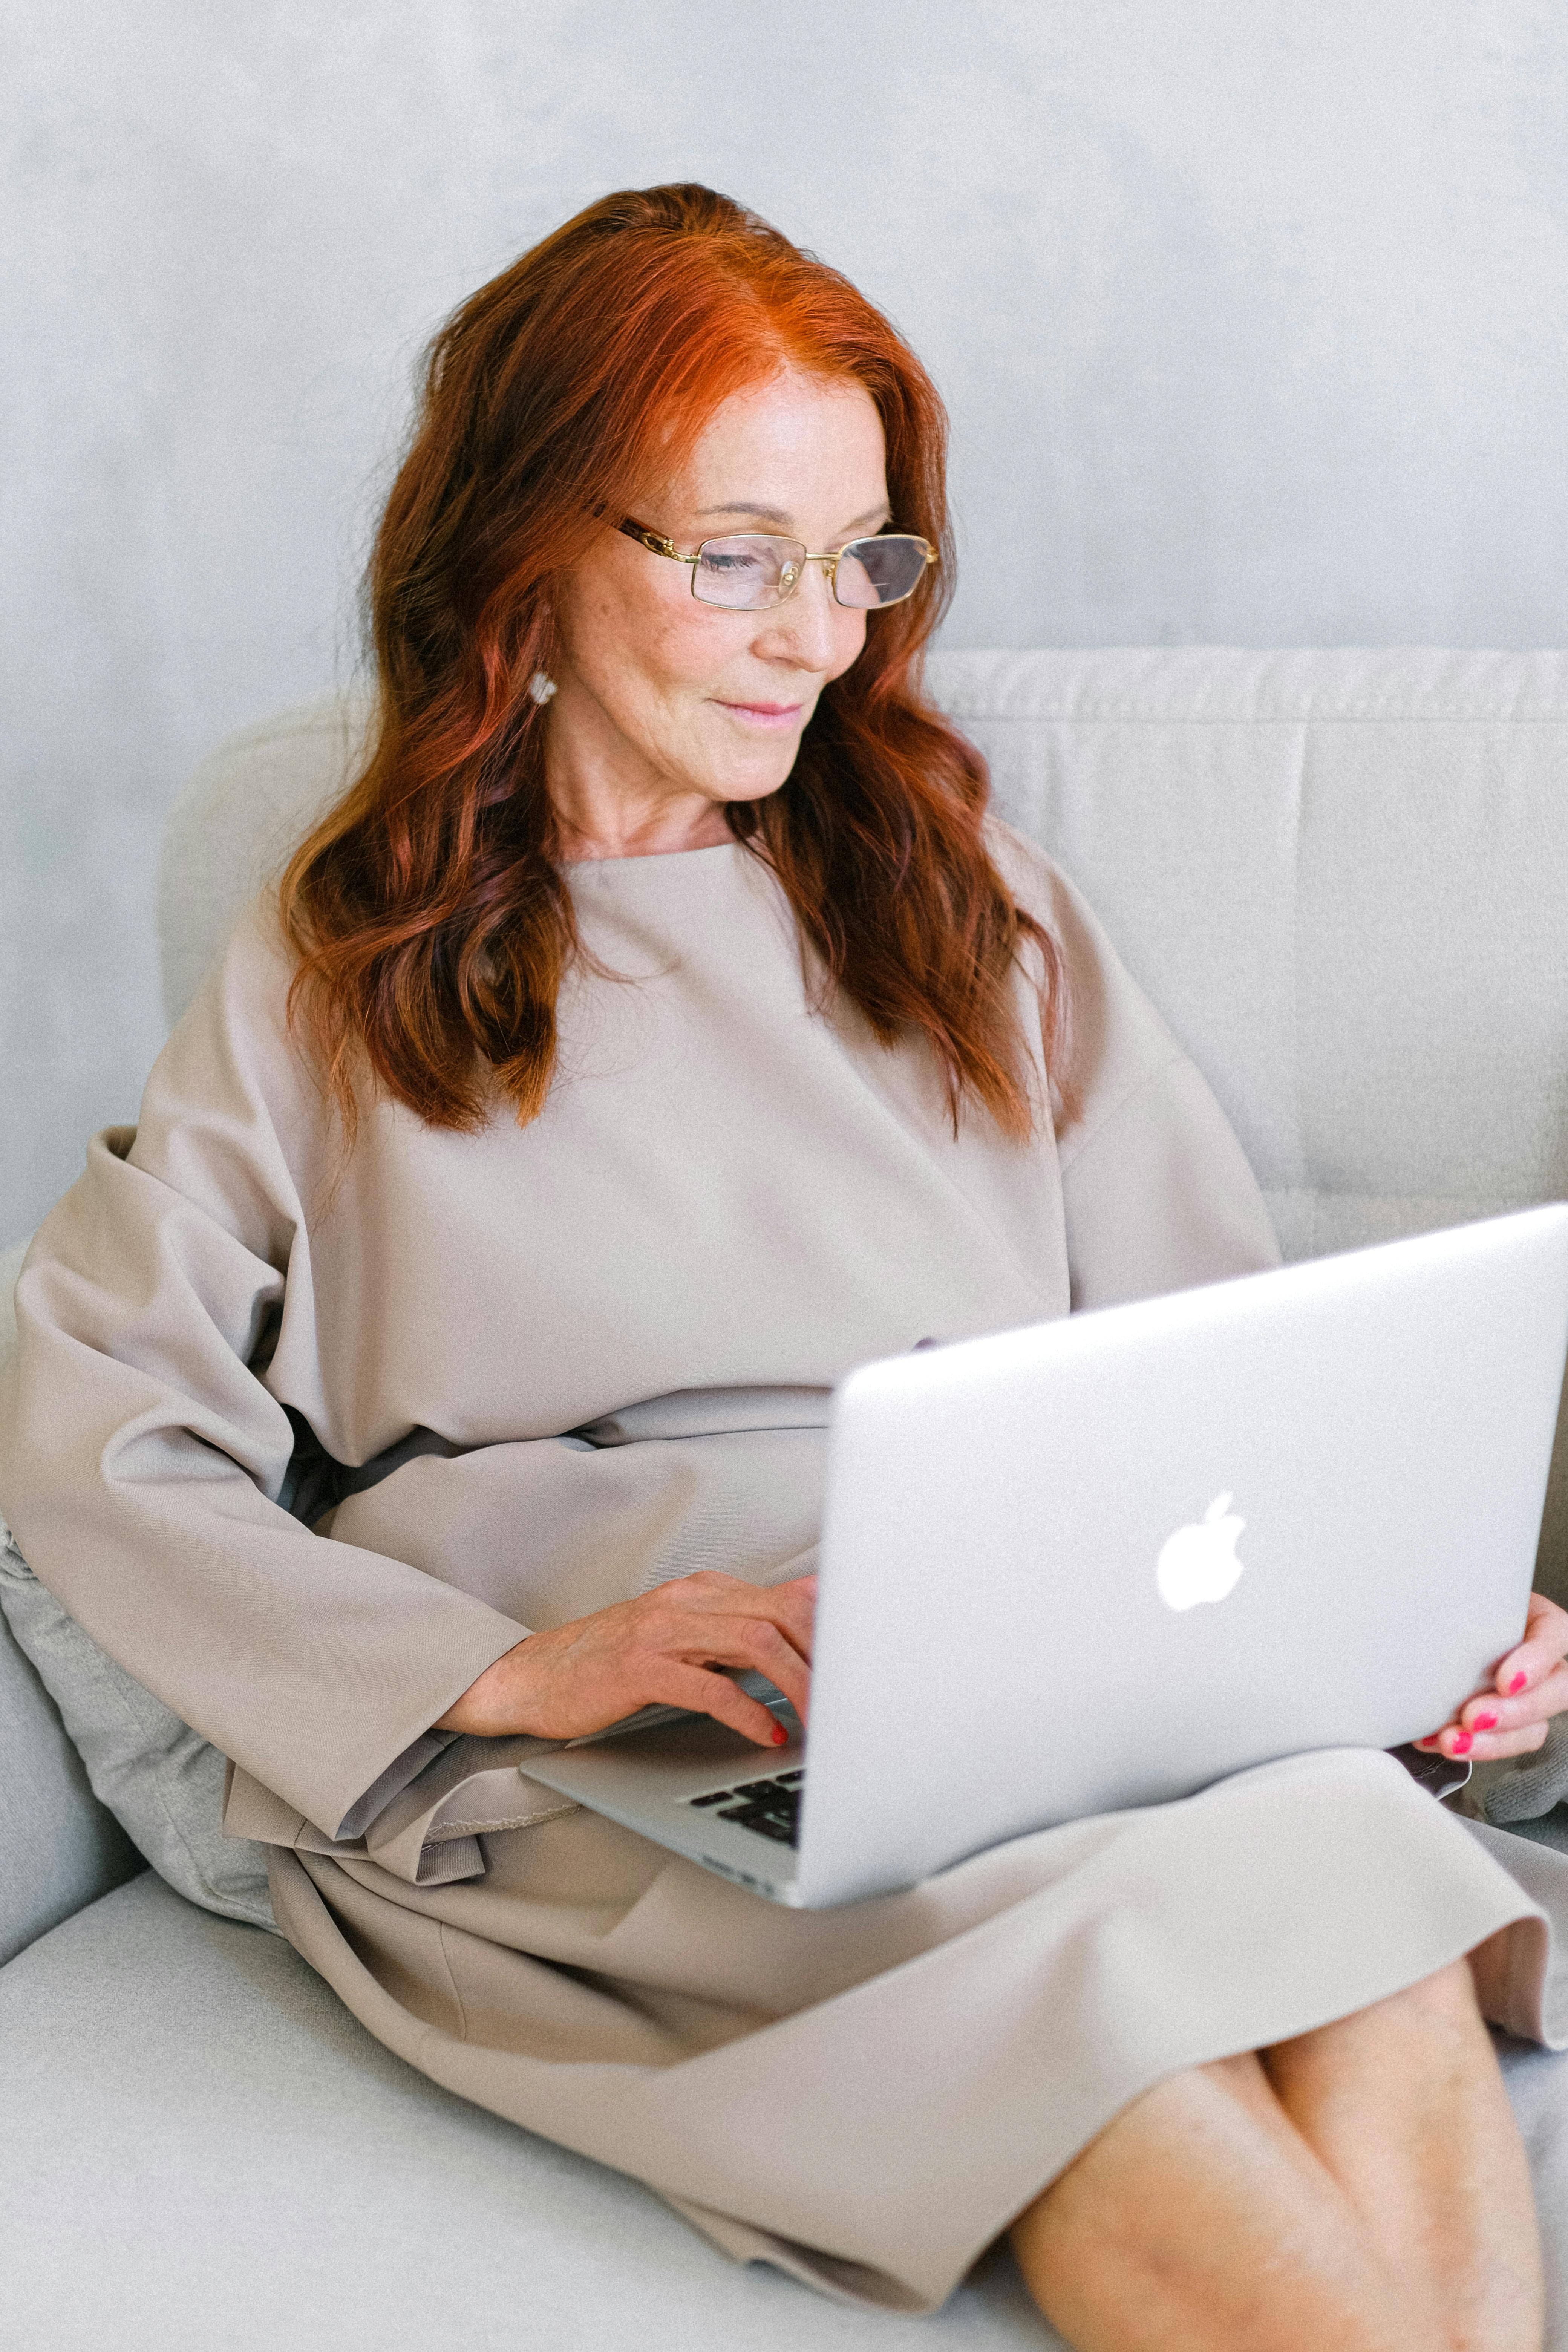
<point>431,922</point>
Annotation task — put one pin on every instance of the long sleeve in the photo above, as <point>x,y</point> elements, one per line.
<point>142,1454</point>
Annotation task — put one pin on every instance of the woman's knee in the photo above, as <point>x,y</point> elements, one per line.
<point>1427,2041</point>
<point>1225,2104</point>
<point>1441,2006</point>
<point>1200,2202</point>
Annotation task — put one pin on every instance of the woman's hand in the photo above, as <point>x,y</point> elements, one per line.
<point>660,1650</point>
<point>1530,1685</point>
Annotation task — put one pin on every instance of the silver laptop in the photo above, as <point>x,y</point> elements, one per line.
<point>1105,1561</point>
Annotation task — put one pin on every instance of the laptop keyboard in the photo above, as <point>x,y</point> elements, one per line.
<point>770,1808</point>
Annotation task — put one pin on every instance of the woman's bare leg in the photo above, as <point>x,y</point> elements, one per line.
<point>1201,2221</point>
<point>1207,2216</point>
<point>1405,2105</point>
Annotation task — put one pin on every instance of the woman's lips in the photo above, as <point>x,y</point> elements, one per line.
<point>778,717</point>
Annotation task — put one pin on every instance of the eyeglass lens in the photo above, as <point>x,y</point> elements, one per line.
<point>756,570</point>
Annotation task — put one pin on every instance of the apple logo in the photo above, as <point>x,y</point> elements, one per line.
<point>1199,1562</point>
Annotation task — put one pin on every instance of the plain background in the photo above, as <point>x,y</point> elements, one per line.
<point>1251,316</point>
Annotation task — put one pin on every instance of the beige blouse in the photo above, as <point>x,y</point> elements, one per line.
<point>307,1446</point>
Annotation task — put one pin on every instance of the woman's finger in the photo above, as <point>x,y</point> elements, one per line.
<point>797,1602</point>
<point>1492,1747</point>
<point>788,1607</point>
<point>1528,1685</point>
<point>771,1652</point>
<point>1489,1728</point>
<point>1456,1727</point>
<point>1543,1648</point>
<point>743,1644</point>
<point>1526,1742</point>
<point>1489,1712</point>
<point>676,1683</point>
<point>1489,1715</point>
<point>575,1679</point>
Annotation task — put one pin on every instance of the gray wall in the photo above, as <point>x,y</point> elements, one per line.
<point>1251,316</point>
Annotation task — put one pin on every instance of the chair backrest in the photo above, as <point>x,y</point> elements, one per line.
<point>1344,878</point>
<point>1341,876</point>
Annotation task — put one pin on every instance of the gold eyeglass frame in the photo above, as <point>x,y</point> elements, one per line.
<point>790,580</point>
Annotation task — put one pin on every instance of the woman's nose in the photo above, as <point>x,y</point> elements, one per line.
<point>802,629</point>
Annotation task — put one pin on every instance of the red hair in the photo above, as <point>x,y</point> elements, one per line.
<point>431,922</point>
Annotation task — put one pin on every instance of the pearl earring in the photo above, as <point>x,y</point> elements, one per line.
<point>540,687</point>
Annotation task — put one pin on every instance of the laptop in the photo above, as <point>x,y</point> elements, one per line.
<point>1106,1561</point>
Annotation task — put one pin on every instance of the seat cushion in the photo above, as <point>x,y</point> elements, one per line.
<point>204,2147</point>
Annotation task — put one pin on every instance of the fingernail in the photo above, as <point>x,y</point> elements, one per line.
<point>1483,1722</point>
<point>1461,1743</point>
<point>780,1736</point>
<point>1518,1684</point>
<point>1428,1742</point>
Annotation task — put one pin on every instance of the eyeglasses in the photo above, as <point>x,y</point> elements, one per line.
<point>748,574</point>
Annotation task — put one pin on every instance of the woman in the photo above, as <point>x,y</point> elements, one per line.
<point>655,1029</point>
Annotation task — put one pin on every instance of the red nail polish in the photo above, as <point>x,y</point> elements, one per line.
<point>1483,1722</point>
<point>1518,1684</point>
<point>780,1736</point>
<point>1461,1743</point>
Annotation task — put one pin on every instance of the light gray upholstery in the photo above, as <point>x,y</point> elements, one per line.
<point>1344,878</point>
<point>207,2151</point>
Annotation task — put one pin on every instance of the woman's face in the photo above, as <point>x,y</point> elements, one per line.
<point>667,708</point>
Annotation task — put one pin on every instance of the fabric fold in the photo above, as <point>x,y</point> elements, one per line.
<point>428,1832</point>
